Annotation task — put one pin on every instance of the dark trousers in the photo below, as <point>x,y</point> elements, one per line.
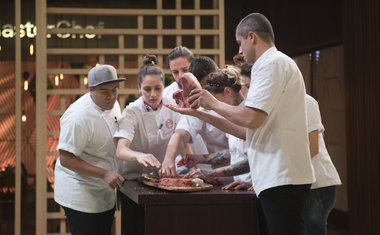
<point>281,209</point>
<point>317,208</point>
<point>82,223</point>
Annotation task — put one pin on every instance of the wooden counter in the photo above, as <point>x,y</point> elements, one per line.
<point>151,211</point>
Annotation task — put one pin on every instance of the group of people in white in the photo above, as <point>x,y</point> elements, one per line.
<point>251,120</point>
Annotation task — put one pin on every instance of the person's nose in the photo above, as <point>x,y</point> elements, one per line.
<point>153,93</point>
<point>181,74</point>
<point>111,95</point>
<point>240,51</point>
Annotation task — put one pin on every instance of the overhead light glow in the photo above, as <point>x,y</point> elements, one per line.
<point>31,48</point>
<point>26,85</point>
<point>23,118</point>
<point>56,80</point>
<point>85,80</point>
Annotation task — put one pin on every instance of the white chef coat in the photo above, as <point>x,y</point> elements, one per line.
<point>214,138</point>
<point>149,132</point>
<point>278,151</point>
<point>86,132</point>
<point>198,146</point>
<point>238,151</point>
<point>169,90</point>
<point>325,172</point>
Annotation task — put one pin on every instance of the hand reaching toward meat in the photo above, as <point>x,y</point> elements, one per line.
<point>148,160</point>
<point>168,169</point>
<point>206,174</point>
<point>191,160</point>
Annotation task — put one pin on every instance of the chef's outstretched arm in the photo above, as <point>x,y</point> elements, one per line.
<point>215,159</point>
<point>219,122</point>
<point>240,115</point>
<point>177,143</point>
<point>123,152</point>
<point>74,163</point>
<point>237,168</point>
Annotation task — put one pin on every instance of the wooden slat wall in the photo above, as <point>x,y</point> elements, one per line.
<point>17,224</point>
<point>361,34</point>
<point>64,92</point>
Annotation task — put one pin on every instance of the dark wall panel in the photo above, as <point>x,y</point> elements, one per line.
<point>361,37</point>
<point>299,25</point>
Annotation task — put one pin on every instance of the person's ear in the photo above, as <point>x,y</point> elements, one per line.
<point>227,91</point>
<point>251,36</point>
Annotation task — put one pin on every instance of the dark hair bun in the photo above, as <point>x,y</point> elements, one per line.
<point>150,60</point>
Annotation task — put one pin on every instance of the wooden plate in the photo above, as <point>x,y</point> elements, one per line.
<point>152,181</point>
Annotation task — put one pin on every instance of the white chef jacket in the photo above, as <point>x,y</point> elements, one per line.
<point>169,90</point>
<point>214,138</point>
<point>238,151</point>
<point>325,172</point>
<point>86,132</point>
<point>278,151</point>
<point>148,132</point>
<point>198,146</point>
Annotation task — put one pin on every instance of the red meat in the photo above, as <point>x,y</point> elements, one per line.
<point>176,182</point>
<point>188,82</point>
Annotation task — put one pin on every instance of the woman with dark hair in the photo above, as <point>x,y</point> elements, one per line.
<point>146,125</point>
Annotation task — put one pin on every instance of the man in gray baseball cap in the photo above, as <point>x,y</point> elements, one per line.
<point>86,171</point>
<point>102,74</point>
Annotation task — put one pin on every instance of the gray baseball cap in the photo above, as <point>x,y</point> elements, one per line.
<point>102,74</point>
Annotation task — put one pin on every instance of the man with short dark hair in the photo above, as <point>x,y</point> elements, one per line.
<point>275,117</point>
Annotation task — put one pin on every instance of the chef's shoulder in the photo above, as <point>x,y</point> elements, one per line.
<point>80,111</point>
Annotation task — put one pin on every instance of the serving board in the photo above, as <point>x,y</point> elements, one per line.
<point>152,181</point>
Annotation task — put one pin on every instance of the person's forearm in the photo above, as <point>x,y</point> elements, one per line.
<point>127,154</point>
<point>222,124</point>
<point>313,143</point>
<point>80,166</point>
<point>176,146</point>
<point>124,153</point>
<point>241,115</point>
<point>234,169</point>
<point>187,150</point>
<point>219,158</point>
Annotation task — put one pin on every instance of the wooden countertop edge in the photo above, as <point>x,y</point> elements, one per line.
<point>152,195</point>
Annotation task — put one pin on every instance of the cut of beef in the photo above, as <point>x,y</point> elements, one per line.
<point>180,100</point>
<point>180,182</point>
<point>188,82</point>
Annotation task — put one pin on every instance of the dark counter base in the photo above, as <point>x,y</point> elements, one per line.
<point>148,211</point>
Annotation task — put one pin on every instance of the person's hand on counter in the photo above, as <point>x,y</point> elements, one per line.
<point>239,185</point>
